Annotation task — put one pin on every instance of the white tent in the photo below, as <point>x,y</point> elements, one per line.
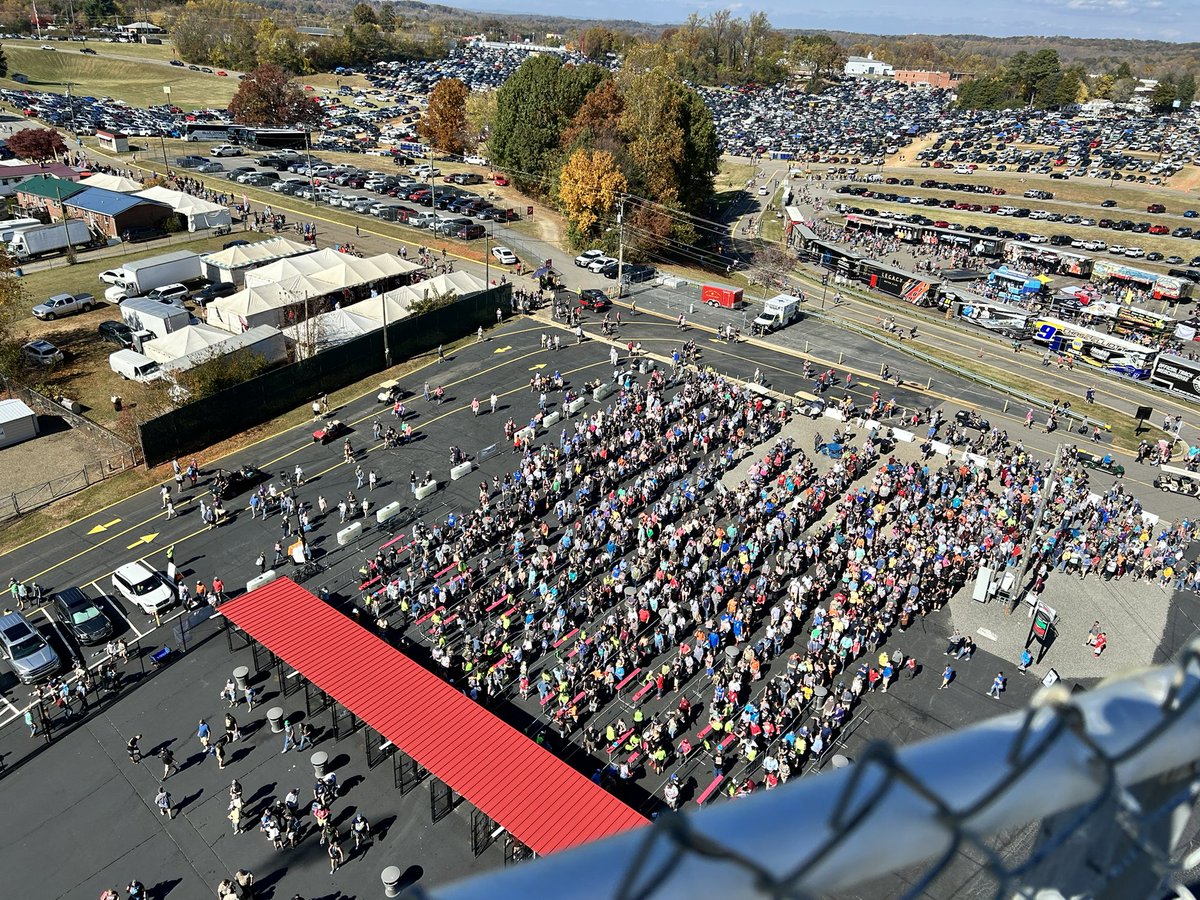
<point>199,214</point>
<point>457,283</point>
<point>232,263</point>
<point>261,340</point>
<point>328,330</point>
<point>190,339</point>
<point>282,269</point>
<point>374,308</point>
<point>250,306</point>
<point>112,183</point>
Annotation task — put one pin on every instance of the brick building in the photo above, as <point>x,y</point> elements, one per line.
<point>930,78</point>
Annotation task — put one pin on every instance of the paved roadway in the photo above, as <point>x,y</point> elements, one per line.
<point>81,791</point>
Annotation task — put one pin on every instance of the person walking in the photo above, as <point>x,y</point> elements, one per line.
<point>205,736</point>
<point>170,767</point>
<point>219,752</point>
<point>361,829</point>
<point>132,748</point>
<point>232,732</point>
<point>289,736</point>
<point>947,677</point>
<point>997,686</point>
<point>304,737</point>
<point>1026,661</point>
<point>1093,633</point>
<point>163,801</point>
<point>494,401</point>
<point>336,856</point>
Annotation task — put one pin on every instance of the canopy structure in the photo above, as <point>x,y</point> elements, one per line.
<point>113,183</point>
<point>199,214</point>
<point>243,256</point>
<point>456,283</point>
<point>291,267</point>
<point>261,340</point>
<point>186,340</point>
<point>379,308</point>
<point>328,330</point>
<point>543,802</point>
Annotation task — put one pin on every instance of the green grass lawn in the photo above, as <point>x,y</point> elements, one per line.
<point>141,51</point>
<point>137,83</point>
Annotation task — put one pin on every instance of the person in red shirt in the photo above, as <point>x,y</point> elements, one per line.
<point>1099,644</point>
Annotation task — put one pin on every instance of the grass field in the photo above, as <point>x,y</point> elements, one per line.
<point>138,51</point>
<point>137,83</point>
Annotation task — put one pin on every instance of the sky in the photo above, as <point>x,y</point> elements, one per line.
<point>1167,20</point>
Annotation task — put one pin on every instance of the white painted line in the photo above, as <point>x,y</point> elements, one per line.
<point>116,606</point>
<point>11,706</point>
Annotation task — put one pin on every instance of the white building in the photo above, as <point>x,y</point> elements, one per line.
<point>867,67</point>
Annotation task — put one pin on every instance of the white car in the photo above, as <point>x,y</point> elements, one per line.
<point>1134,252</point>
<point>225,150</point>
<point>599,263</point>
<point>173,294</point>
<point>1038,239</point>
<point>584,259</point>
<point>143,587</point>
<point>763,191</point>
<point>112,276</point>
<point>348,200</point>
<point>504,256</point>
<point>475,160</point>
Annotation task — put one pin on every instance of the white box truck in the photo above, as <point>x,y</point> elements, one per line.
<point>778,312</point>
<point>136,278</point>
<point>42,240</point>
<point>160,319</point>
<point>9,227</point>
<point>134,366</point>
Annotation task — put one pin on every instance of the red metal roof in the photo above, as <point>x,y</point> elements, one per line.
<point>543,802</point>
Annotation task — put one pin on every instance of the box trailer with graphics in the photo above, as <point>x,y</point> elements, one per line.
<point>719,295</point>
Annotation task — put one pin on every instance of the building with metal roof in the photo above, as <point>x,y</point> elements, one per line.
<point>125,216</point>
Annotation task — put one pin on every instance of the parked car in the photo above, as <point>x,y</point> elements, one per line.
<point>214,291</point>
<point>225,150</point>
<point>64,305</point>
<point>116,333</point>
<point>26,651</point>
<point>505,256</point>
<point>145,588</point>
<point>81,615</point>
<point>42,353</point>
<point>584,259</point>
<point>174,293</point>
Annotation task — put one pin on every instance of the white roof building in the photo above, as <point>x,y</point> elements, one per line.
<point>867,66</point>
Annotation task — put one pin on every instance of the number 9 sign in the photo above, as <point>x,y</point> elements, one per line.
<point>1046,332</point>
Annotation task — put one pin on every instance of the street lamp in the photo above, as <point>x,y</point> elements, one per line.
<point>161,140</point>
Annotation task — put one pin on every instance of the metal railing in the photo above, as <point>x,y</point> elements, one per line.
<point>1109,777</point>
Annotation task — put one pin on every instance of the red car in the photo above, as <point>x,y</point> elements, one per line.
<point>500,180</point>
<point>593,299</point>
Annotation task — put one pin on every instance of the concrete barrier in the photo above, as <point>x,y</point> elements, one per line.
<point>349,534</point>
<point>830,413</point>
<point>646,366</point>
<point>259,580</point>
<point>526,434</point>
<point>942,447</point>
<point>901,435</point>
<point>551,419</point>
<point>978,460</point>
<point>386,513</point>
<point>424,490</point>
<point>462,470</point>
<point>603,392</point>
<point>576,405</point>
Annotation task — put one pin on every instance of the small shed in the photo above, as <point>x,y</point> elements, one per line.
<point>17,423</point>
<point>113,141</point>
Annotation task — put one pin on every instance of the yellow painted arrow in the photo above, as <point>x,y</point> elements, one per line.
<point>538,366</point>
<point>504,349</point>
<point>107,525</point>
<point>144,539</point>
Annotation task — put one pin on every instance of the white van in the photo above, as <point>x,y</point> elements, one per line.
<point>134,366</point>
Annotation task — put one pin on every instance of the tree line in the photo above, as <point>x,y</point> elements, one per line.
<point>585,138</point>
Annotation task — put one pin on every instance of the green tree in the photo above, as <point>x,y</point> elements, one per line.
<point>3,63</point>
<point>220,372</point>
<point>364,14</point>
<point>596,122</point>
<point>100,11</point>
<point>533,107</point>
<point>267,97</point>
<point>481,113</point>
<point>444,124</point>
<point>387,18</point>
<point>1162,98</point>
<point>1185,90</point>
<point>14,308</point>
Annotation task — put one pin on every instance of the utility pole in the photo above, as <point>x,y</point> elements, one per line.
<point>387,350</point>
<point>621,249</point>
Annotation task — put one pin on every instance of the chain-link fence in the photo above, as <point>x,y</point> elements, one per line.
<point>1089,794</point>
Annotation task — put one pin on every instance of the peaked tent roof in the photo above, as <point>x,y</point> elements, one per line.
<point>258,252</point>
<point>538,798</point>
<point>118,183</point>
<point>181,202</point>
<point>188,339</point>
<point>373,308</point>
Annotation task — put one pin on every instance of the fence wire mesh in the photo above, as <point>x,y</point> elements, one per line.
<point>1086,795</point>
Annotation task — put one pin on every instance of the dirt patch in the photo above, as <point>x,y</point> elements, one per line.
<point>57,458</point>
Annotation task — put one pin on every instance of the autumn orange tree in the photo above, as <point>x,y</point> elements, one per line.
<point>589,186</point>
<point>444,124</point>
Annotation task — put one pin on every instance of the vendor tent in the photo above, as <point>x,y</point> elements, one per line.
<point>328,330</point>
<point>199,214</point>
<point>231,263</point>
<point>187,340</point>
<point>282,269</point>
<point>374,308</point>
<point>112,183</point>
